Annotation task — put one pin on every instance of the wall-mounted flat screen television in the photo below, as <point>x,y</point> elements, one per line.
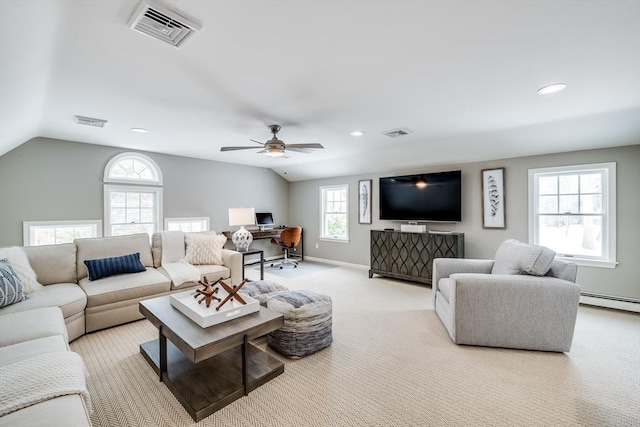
<point>429,197</point>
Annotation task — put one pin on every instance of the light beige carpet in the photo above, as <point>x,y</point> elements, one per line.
<point>392,364</point>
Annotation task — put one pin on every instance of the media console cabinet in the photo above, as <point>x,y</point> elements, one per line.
<point>410,256</point>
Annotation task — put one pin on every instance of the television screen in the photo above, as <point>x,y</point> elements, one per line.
<point>422,197</point>
<point>264,218</point>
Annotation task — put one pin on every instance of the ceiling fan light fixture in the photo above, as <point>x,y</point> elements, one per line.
<point>274,152</point>
<point>357,133</point>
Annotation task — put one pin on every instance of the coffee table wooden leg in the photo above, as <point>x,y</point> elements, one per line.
<point>245,343</point>
<point>163,353</point>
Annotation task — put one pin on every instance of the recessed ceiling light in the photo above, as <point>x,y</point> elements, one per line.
<point>139,130</point>
<point>557,87</point>
<point>357,133</point>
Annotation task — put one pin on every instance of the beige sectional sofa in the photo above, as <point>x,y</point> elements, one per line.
<point>38,399</point>
<point>85,305</point>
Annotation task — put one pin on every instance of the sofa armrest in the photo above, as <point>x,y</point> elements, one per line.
<point>445,267</point>
<point>233,261</point>
<point>527,312</point>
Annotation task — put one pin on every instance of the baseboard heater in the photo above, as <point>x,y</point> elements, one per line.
<point>610,301</point>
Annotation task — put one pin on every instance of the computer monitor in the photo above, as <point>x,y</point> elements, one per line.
<point>264,220</point>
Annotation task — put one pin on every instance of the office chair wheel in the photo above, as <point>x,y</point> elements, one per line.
<point>295,266</point>
<point>280,267</point>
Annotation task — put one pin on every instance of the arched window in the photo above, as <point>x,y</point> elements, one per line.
<point>132,195</point>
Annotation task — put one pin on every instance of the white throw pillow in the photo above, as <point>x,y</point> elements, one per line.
<point>21,266</point>
<point>204,248</point>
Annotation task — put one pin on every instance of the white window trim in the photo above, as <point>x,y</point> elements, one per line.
<point>29,226</point>
<point>329,238</point>
<point>133,155</point>
<point>609,251</point>
<point>108,188</point>
<point>188,219</point>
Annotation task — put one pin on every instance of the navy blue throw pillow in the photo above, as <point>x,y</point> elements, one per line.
<point>105,267</point>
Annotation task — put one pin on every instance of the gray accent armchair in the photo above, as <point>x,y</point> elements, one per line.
<point>506,310</point>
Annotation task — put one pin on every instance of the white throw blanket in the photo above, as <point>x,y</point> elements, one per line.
<point>178,271</point>
<point>43,377</point>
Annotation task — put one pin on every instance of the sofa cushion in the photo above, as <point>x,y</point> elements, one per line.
<point>53,263</point>
<point>31,324</point>
<point>105,267</point>
<point>11,290</point>
<point>124,287</point>
<point>104,247</point>
<point>515,257</point>
<point>24,350</point>
<point>69,297</point>
<point>67,410</point>
<point>21,267</point>
<point>204,248</point>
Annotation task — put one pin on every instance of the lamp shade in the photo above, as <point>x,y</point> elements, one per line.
<point>242,216</point>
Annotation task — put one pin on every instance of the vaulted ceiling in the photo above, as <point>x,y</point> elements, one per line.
<point>461,76</point>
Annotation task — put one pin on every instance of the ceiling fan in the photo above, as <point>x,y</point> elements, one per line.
<point>276,147</point>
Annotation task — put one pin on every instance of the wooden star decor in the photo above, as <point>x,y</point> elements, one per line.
<point>232,290</point>
<point>208,292</point>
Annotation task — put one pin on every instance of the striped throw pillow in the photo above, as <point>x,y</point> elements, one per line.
<point>11,290</point>
<point>105,267</point>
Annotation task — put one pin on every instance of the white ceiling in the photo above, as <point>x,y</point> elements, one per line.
<point>461,75</point>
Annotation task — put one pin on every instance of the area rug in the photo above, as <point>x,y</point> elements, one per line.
<point>391,363</point>
<point>304,268</point>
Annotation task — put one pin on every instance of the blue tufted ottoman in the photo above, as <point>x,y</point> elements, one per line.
<point>307,323</point>
<point>262,290</point>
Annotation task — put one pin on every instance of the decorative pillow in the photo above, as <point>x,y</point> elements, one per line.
<point>515,257</point>
<point>105,267</point>
<point>204,248</point>
<point>21,267</point>
<point>11,290</point>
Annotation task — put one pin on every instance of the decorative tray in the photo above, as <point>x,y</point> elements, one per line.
<point>208,316</point>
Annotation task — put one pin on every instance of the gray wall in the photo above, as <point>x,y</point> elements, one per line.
<point>623,281</point>
<point>48,179</point>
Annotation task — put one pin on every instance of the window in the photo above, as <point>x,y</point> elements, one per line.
<point>132,195</point>
<point>572,211</point>
<point>37,233</point>
<point>334,215</point>
<point>186,224</point>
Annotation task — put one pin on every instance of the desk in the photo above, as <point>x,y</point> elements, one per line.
<point>268,234</point>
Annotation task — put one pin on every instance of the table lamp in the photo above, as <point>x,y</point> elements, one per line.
<point>242,216</point>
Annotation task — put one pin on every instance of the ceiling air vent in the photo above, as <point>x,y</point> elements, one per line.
<point>394,133</point>
<point>162,23</point>
<point>90,121</point>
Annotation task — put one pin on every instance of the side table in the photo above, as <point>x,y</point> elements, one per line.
<point>254,252</point>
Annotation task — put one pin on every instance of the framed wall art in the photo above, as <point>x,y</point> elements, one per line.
<point>364,201</point>
<point>493,199</point>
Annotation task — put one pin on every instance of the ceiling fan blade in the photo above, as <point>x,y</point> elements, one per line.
<point>299,150</point>
<point>237,148</point>
<point>311,145</point>
<point>257,142</point>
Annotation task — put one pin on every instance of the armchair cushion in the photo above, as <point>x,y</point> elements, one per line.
<point>514,257</point>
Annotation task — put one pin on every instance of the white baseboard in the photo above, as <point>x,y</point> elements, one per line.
<point>330,261</point>
<point>610,303</point>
